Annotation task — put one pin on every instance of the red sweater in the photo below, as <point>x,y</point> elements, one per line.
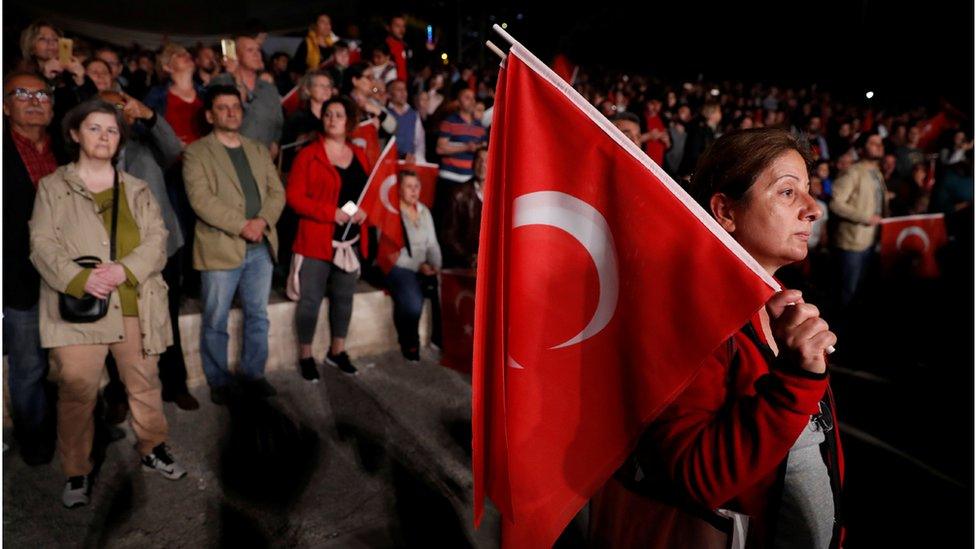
<point>313,192</point>
<point>398,50</point>
<point>721,444</point>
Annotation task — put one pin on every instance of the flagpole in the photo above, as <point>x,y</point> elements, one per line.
<point>369,181</point>
<point>498,51</point>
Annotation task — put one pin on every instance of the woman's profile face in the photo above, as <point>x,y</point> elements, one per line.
<point>97,136</point>
<point>773,220</point>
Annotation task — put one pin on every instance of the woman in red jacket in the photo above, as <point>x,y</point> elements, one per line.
<point>745,454</point>
<point>325,176</point>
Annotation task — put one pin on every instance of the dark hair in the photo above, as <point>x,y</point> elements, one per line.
<point>215,91</point>
<point>352,113</point>
<point>340,44</point>
<point>279,54</point>
<point>91,60</point>
<point>408,173</point>
<point>627,116</point>
<point>733,162</point>
<point>358,70</point>
<point>9,77</point>
<point>382,48</point>
<point>73,119</point>
<point>862,140</point>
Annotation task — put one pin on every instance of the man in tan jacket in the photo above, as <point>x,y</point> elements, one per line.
<point>859,202</point>
<point>235,191</point>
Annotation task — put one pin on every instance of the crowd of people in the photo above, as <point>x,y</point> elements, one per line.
<point>136,179</point>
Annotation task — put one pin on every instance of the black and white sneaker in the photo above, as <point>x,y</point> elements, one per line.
<point>309,371</point>
<point>163,463</point>
<point>341,361</point>
<point>77,492</point>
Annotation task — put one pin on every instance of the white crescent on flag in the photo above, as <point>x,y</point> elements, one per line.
<point>385,193</point>
<point>588,226</point>
<point>910,231</point>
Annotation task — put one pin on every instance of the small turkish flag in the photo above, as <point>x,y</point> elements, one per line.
<point>291,102</point>
<point>912,241</point>
<point>457,318</point>
<point>427,173</point>
<point>380,200</point>
<point>367,137</point>
<point>601,288</point>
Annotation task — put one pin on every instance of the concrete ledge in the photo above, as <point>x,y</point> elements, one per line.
<point>371,332</point>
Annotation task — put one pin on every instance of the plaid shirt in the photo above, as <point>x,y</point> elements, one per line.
<point>38,163</point>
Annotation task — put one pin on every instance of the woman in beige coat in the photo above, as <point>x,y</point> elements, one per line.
<point>73,217</point>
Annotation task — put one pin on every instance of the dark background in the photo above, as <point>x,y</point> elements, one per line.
<point>905,52</point>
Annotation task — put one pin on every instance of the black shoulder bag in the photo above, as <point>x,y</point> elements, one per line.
<point>89,308</point>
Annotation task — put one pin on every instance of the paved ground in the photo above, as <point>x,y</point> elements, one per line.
<point>380,459</point>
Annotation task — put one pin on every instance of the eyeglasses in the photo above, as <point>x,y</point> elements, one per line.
<point>23,94</point>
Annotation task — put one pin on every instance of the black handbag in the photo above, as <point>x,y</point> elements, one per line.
<point>89,308</point>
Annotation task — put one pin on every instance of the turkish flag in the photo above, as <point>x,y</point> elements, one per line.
<point>911,241</point>
<point>564,68</point>
<point>601,288</point>
<point>367,137</point>
<point>427,173</point>
<point>457,318</point>
<point>380,200</point>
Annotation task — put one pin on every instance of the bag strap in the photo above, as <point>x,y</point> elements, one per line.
<point>115,216</point>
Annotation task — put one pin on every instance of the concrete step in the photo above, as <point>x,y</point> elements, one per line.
<point>371,332</point>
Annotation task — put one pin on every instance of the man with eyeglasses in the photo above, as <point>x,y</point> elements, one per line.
<point>29,155</point>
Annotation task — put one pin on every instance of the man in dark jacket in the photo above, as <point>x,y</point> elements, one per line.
<point>29,155</point>
<point>701,134</point>
<point>462,218</point>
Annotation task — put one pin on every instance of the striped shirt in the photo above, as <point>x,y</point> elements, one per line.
<point>458,166</point>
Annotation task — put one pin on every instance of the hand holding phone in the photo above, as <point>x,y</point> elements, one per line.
<point>65,50</point>
<point>228,48</point>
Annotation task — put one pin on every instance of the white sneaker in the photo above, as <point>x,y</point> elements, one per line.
<point>77,492</point>
<point>163,463</point>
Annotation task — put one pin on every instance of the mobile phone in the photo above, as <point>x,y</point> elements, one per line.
<point>228,48</point>
<point>430,34</point>
<point>65,50</point>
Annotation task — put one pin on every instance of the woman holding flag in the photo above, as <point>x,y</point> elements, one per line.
<point>750,436</point>
<point>326,178</point>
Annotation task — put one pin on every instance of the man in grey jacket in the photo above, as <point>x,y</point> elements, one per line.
<point>263,118</point>
<point>152,148</point>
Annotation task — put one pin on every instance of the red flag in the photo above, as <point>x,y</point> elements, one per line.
<point>291,102</point>
<point>457,318</point>
<point>367,137</point>
<point>564,68</point>
<point>913,240</point>
<point>427,173</point>
<point>380,200</point>
<point>601,288</point>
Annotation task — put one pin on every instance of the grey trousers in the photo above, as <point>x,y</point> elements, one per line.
<point>316,279</point>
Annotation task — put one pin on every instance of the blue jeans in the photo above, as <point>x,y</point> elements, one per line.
<point>252,283</point>
<point>408,289</point>
<point>853,266</point>
<point>27,369</point>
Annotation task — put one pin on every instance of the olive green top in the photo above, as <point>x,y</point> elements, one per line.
<point>126,240</point>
